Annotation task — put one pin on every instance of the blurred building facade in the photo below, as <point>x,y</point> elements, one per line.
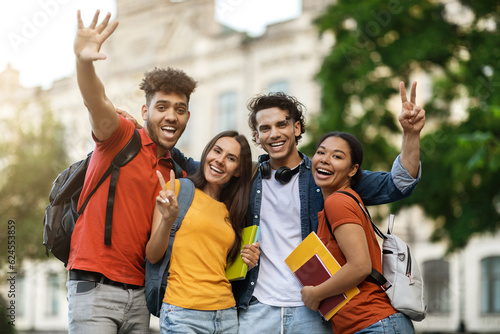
<point>463,289</point>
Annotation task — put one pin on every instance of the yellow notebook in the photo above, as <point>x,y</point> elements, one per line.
<point>238,269</point>
<point>309,247</point>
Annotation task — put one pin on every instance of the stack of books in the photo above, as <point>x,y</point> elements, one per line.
<point>312,264</point>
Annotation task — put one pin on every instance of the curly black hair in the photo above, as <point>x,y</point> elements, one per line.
<point>167,80</point>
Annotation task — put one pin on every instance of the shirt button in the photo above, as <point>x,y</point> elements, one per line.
<point>258,191</point>
<point>256,216</point>
<point>318,190</point>
<point>252,283</point>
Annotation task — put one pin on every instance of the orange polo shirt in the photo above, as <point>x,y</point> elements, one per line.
<point>137,188</point>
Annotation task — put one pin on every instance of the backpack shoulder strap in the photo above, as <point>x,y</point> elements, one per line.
<point>184,199</point>
<point>375,275</point>
<point>365,211</point>
<point>121,159</point>
<point>126,154</point>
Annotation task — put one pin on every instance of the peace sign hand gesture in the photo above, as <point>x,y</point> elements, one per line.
<point>88,40</point>
<point>412,117</point>
<point>166,199</point>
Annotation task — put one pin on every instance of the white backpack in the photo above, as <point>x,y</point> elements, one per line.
<point>401,278</point>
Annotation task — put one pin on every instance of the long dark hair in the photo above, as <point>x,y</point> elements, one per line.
<point>355,147</point>
<point>236,192</point>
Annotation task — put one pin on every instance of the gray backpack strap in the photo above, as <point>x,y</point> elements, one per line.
<point>375,275</point>
<point>184,199</point>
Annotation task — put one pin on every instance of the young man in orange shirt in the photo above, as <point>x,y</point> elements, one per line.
<point>105,283</point>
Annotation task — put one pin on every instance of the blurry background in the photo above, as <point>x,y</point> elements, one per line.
<point>342,59</point>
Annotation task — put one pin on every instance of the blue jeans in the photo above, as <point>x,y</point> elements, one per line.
<point>175,319</point>
<point>397,323</point>
<point>100,308</point>
<point>260,318</point>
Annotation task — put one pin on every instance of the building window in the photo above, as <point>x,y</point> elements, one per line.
<point>279,86</point>
<point>226,112</point>
<point>436,288</point>
<point>490,285</point>
<point>52,295</point>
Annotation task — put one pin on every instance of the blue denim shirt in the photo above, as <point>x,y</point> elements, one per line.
<point>374,188</point>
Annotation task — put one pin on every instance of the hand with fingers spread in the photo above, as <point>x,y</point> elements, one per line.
<point>88,40</point>
<point>166,199</point>
<point>250,254</point>
<point>412,117</point>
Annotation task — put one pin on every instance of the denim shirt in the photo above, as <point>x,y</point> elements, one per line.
<point>374,188</point>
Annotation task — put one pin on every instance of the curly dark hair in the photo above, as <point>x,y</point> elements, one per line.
<point>167,80</point>
<point>280,100</point>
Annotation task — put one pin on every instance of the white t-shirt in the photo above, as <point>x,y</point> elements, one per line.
<point>280,233</point>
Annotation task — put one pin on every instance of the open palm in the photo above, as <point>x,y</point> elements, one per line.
<point>88,40</point>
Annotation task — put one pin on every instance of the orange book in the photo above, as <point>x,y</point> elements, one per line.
<point>310,248</point>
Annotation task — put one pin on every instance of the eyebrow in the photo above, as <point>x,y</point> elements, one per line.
<point>230,154</point>
<point>285,121</point>
<point>175,104</point>
<point>336,150</point>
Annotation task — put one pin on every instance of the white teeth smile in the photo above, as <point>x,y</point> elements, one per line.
<point>216,169</point>
<point>167,128</point>
<point>277,144</point>
<point>324,171</point>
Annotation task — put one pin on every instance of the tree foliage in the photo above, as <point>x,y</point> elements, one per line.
<point>33,153</point>
<point>454,47</point>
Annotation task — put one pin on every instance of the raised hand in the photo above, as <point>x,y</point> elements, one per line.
<point>166,199</point>
<point>88,40</point>
<point>412,117</point>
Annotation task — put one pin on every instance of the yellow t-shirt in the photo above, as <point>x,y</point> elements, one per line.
<point>197,277</point>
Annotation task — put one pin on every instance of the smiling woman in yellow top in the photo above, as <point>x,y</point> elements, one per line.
<point>198,298</point>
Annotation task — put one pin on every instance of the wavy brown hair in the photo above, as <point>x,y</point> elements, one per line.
<point>280,100</point>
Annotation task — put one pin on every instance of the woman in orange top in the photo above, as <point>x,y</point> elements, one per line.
<point>198,297</point>
<point>336,165</point>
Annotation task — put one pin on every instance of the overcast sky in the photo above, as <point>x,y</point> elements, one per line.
<point>36,36</point>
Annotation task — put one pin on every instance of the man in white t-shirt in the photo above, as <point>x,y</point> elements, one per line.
<point>285,201</point>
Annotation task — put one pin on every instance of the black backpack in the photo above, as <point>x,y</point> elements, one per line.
<point>62,212</point>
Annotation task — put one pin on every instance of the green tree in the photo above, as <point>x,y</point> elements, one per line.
<point>32,156</point>
<point>455,45</point>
